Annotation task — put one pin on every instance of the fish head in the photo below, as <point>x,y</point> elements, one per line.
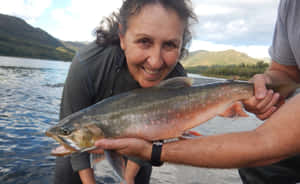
<point>74,137</point>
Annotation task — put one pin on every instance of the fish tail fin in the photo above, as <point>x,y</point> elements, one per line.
<point>118,163</point>
<point>235,110</point>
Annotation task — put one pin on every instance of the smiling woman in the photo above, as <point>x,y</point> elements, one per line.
<point>150,54</point>
<point>136,48</point>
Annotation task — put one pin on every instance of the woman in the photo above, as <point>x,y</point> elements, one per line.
<point>140,48</point>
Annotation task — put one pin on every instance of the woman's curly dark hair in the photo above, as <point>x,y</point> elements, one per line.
<point>108,32</point>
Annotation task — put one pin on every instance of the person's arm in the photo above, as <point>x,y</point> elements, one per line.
<point>87,176</point>
<point>283,73</point>
<point>131,171</point>
<point>266,102</point>
<point>276,139</point>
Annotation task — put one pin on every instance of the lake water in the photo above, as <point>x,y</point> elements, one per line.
<point>30,94</point>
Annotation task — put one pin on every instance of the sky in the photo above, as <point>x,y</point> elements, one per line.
<point>243,25</point>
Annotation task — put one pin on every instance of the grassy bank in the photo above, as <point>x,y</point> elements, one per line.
<point>241,71</point>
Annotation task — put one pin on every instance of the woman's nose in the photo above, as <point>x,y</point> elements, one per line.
<point>155,59</point>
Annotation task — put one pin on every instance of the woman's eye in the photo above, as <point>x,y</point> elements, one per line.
<point>144,42</point>
<point>170,45</point>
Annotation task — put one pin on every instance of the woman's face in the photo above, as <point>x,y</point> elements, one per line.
<point>152,44</point>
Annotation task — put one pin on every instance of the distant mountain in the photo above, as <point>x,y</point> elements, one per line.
<point>17,38</point>
<point>206,58</point>
<point>74,45</point>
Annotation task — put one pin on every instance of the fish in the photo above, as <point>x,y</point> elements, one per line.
<point>165,111</point>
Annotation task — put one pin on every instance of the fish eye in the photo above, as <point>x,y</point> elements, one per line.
<point>65,131</point>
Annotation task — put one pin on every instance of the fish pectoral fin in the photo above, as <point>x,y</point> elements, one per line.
<point>189,135</point>
<point>118,163</point>
<point>235,110</point>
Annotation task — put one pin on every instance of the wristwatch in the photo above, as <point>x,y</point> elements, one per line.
<point>156,153</point>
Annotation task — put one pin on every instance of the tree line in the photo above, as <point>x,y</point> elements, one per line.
<point>10,46</point>
<point>241,71</point>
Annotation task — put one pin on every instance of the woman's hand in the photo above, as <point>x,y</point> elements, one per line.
<point>264,102</point>
<point>126,146</point>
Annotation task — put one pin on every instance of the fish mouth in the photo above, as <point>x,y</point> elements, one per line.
<point>69,146</point>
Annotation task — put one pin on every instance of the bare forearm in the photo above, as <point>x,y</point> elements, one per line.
<point>131,171</point>
<point>279,77</point>
<point>87,176</point>
<point>283,74</point>
<point>232,150</point>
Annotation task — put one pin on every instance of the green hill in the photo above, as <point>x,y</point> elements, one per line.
<point>228,57</point>
<point>17,38</point>
<point>74,45</point>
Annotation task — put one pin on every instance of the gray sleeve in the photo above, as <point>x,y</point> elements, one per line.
<point>76,96</point>
<point>280,50</point>
<point>80,161</point>
<point>77,92</point>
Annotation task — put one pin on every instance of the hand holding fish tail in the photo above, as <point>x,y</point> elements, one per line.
<point>126,146</point>
<point>264,102</point>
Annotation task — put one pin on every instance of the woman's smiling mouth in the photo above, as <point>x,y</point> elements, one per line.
<point>151,74</point>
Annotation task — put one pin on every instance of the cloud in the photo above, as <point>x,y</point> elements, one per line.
<point>78,21</point>
<point>29,10</point>
<point>235,22</point>
<point>210,10</point>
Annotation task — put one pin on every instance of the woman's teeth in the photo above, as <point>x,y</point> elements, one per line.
<point>151,71</point>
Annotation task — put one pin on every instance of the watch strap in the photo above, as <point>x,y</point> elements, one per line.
<point>156,153</point>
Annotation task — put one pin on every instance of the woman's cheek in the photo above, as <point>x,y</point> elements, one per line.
<point>171,58</point>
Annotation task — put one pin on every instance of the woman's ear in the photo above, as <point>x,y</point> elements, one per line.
<point>121,36</point>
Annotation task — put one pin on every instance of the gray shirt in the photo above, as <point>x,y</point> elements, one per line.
<point>285,48</point>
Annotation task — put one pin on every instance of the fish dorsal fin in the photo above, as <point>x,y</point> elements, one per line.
<point>176,82</point>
